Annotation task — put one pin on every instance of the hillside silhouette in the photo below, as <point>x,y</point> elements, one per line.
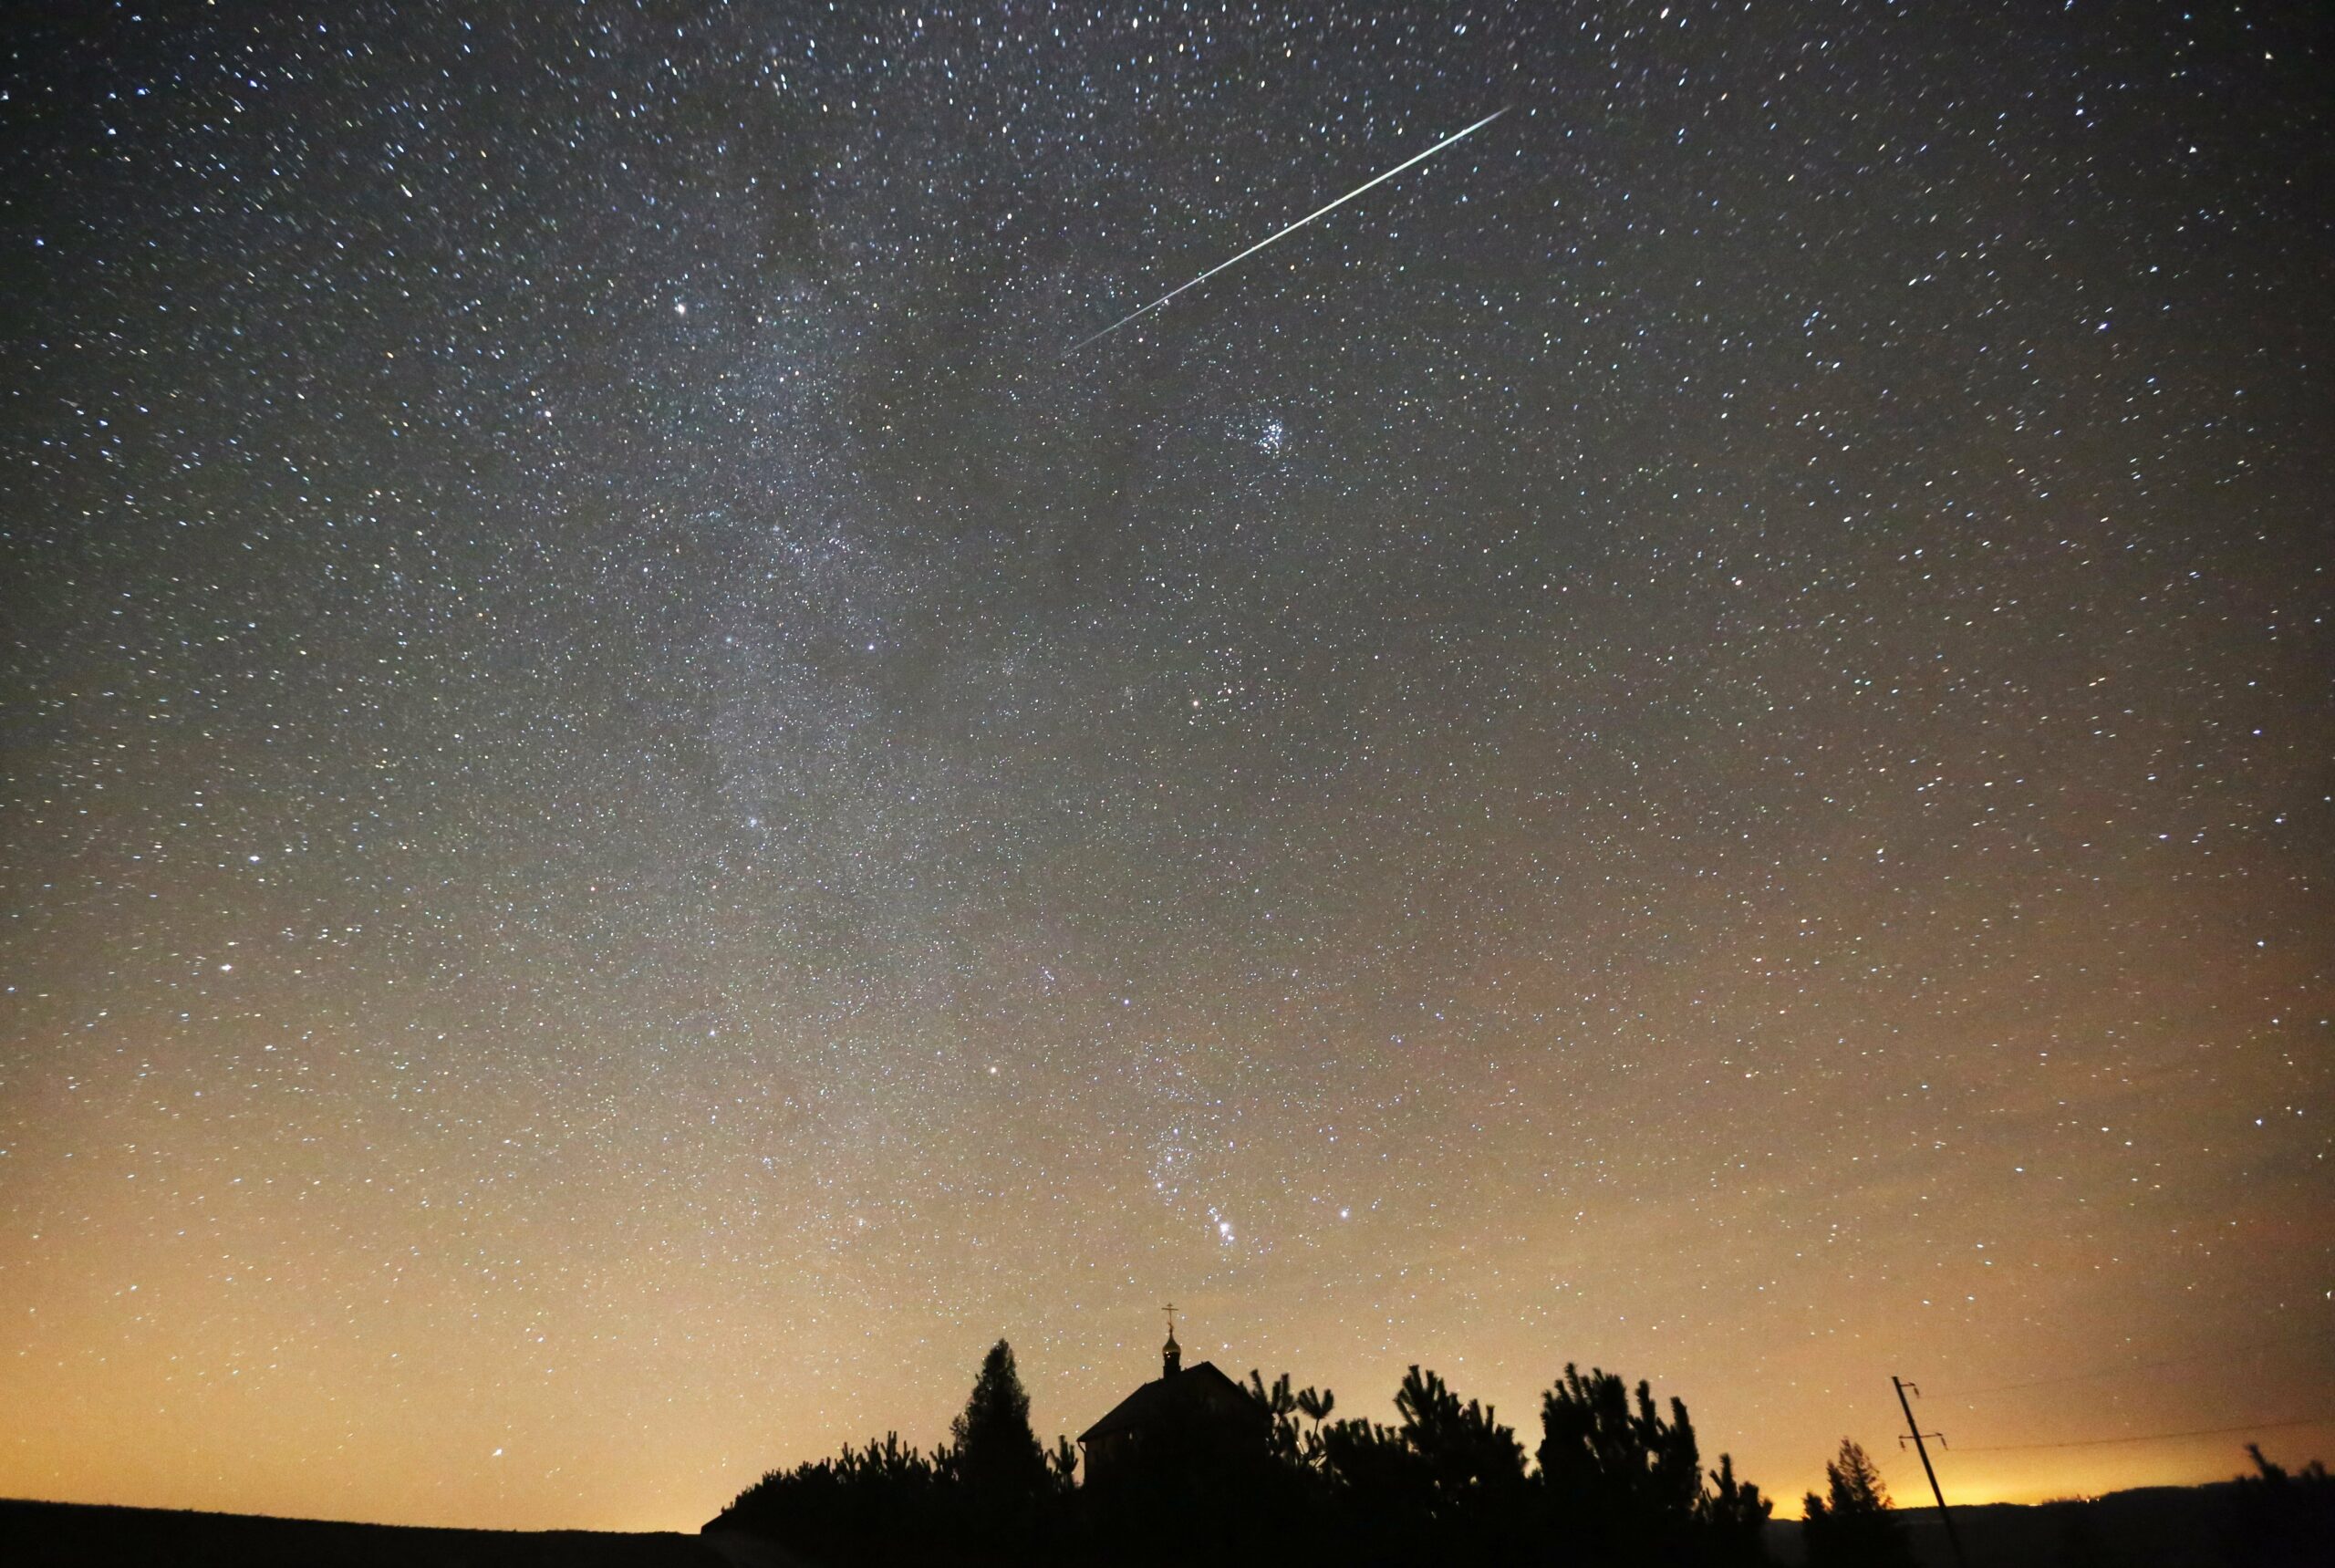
<point>84,1535</point>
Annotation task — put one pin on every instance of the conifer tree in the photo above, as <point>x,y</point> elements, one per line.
<point>1281,1407</point>
<point>1737,1516</point>
<point>997,1456</point>
<point>1853,1524</point>
<point>1062,1466</point>
<point>1316,1405</point>
<point>1470,1458</point>
<point>1619,1474</point>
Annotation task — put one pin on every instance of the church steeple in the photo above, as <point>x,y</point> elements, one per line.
<point>1171,1355</point>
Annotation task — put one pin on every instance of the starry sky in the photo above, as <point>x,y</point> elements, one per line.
<point>1694,737</point>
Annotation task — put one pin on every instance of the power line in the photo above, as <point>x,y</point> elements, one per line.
<point>2154,1437</point>
<point>1914,1429</point>
<point>2120,1370</point>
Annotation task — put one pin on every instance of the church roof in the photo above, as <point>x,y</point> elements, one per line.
<point>1201,1384</point>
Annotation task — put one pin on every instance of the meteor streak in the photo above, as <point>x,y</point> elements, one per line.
<point>1260,245</point>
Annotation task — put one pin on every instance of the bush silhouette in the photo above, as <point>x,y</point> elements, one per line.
<point>984,1495</point>
<point>880,1501</point>
<point>2282,1519</point>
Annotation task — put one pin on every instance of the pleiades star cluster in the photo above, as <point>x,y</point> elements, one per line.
<point>634,816</point>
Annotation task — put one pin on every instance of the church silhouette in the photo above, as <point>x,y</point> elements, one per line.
<point>1185,1418</point>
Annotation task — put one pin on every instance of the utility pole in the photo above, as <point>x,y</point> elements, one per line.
<point>1915,1427</point>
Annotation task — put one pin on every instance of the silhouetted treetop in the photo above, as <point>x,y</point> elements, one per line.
<point>996,1453</point>
<point>1854,1525</point>
<point>1598,1454</point>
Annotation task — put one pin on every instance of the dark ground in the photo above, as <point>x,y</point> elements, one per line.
<point>2153,1527</point>
<point>69,1536</point>
<point>2147,1527</point>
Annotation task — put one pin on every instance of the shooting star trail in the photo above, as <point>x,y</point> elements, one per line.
<point>1260,245</point>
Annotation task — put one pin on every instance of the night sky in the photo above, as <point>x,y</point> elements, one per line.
<point>1694,736</point>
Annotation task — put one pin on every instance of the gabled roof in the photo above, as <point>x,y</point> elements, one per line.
<point>1193,1386</point>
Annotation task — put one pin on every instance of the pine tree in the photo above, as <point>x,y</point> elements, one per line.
<point>1473,1462</point>
<point>1854,1525</point>
<point>1448,1484</point>
<point>997,1456</point>
<point>1316,1405</point>
<point>1279,1406</point>
<point>1736,1515</point>
<point>1617,1475</point>
<point>1062,1466</point>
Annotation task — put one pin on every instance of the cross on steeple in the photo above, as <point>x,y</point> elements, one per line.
<point>1170,1309</point>
<point>1171,1355</point>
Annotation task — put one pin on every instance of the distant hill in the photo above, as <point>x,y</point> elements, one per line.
<point>2148,1527</point>
<point>81,1536</point>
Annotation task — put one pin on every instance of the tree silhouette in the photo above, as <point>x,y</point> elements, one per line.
<point>1280,1405</point>
<point>1737,1516</point>
<point>995,1455</point>
<point>1622,1477</point>
<point>1317,1405</point>
<point>1620,1484</point>
<point>2283,1518</point>
<point>1062,1466</point>
<point>1854,1525</point>
<point>878,1501</point>
<point>1471,1459</point>
<point>1448,1480</point>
